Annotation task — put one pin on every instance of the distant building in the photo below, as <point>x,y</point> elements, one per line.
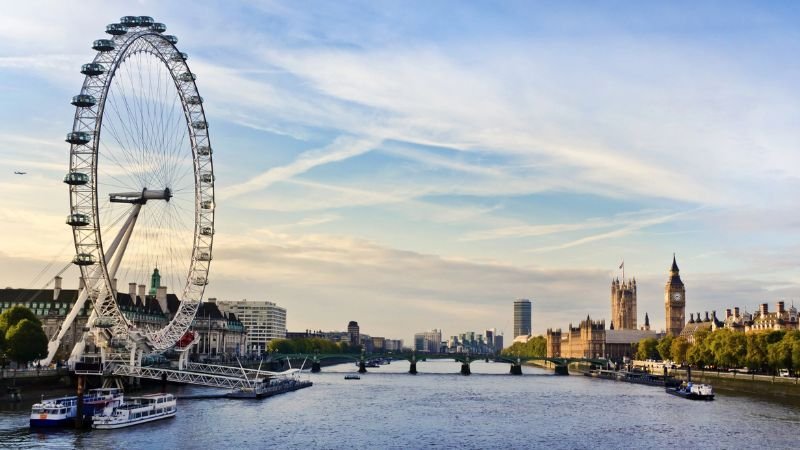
<point>587,340</point>
<point>490,336</point>
<point>675,301</point>
<point>221,334</point>
<point>428,341</point>
<point>353,329</point>
<point>263,322</point>
<point>393,345</point>
<point>623,304</point>
<point>498,343</point>
<point>522,317</point>
<point>710,323</point>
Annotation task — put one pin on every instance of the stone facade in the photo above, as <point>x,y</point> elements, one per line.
<point>587,340</point>
<point>623,304</point>
<point>675,301</point>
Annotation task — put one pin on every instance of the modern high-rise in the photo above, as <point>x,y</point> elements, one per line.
<point>263,321</point>
<point>355,332</point>
<point>428,341</point>
<point>522,317</point>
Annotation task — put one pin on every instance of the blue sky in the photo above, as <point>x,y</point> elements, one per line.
<point>420,165</point>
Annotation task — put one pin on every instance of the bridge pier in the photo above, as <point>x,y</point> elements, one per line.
<point>465,369</point>
<point>412,369</point>
<point>561,370</point>
<point>362,367</point>
<point>516,369</point>
<point>315,367</point>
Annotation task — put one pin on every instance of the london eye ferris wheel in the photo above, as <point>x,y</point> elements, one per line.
<point>141,182</point>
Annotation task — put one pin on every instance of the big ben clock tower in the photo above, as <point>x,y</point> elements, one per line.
<point>675,301</point>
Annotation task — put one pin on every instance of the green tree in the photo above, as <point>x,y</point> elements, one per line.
<point>756,356</point>
<point>678,350</point>
<point>15,315</point>
<point>26,342</point>
<point>647,349</point>
<point>664,347</point>
<point>535,347</point>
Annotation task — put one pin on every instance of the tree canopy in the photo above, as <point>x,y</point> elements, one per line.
<point>309,345</point>
<point>26,342</point>
<point>536,346</point>
<point>11,317</point>
<point>725,348</point>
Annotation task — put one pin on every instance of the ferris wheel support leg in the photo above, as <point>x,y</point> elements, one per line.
<point>123,237</point>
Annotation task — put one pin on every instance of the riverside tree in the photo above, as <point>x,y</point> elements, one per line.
<point>535,347</point>
<point>23,339</point>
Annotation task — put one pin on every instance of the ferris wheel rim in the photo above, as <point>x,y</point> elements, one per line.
<point>89,115</point>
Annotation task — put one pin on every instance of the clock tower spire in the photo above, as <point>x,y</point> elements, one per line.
<point>675,301</point>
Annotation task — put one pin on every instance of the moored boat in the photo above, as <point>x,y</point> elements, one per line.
<point>693,391</point>
<point>270,386</point>
<point>61,411</point>
<point>137,410</point>
<point>352,376</point>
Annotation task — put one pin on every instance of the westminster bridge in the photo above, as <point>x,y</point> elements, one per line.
<point>560,365</point>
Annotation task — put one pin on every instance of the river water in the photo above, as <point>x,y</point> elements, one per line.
<point>388,408</point>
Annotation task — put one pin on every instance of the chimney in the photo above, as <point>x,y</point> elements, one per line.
<point>727,313</point>
<point>132,290</point>
<point>56,287</point>
<point>211,300</point>
<point>161,296</point>
<point>81,283</point>
<point>707,319</point>
<point>142,291</point>
<point>764,309</point>
<point>691,318</point>
<point>114,285</point>
<point>736,311</point>
<point>780,307</point>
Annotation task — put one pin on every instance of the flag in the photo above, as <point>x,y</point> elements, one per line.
<point>622,264</point>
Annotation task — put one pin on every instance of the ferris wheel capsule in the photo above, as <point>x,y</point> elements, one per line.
<point>171,39</point>
<point>84,101</point>
<point>158,27</point>
<point>103,45</point>
<point>92,69</point>
<point>130,21</point>
<point>116,29</point>
<point>145,21</point>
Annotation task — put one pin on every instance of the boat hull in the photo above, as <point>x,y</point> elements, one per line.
<point>690,395</point>
<point>130,423</point>
<point>52,423</point>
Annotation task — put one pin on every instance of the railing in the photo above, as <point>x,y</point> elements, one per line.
<point>179,376</point>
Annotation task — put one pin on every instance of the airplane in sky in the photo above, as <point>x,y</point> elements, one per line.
<point>19,173</point>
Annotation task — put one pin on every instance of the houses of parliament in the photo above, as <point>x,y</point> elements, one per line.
<point>590,339</point>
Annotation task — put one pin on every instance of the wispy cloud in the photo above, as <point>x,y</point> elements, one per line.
<point>340,149</point>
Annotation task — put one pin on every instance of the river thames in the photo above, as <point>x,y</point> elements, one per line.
<point>437,408</point>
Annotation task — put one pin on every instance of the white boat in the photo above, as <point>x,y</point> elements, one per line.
<point>142,409</point>
<point>55,412</point>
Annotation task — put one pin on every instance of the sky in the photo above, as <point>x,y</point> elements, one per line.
<point>419,165</point>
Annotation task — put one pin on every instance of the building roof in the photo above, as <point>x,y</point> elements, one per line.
<point>629,336</point>
<point>17,296</point>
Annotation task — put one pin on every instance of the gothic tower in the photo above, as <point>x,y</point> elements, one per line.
<point>675,301</point>
<point>623,304</point>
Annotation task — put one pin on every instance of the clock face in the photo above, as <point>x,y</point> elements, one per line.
<point>676,296</point>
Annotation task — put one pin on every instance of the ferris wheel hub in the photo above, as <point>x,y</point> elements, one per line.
<point>140,198</point>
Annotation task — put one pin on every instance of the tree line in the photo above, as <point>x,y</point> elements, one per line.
<point>725,348</point>
<point>535,347</point>
<point>310,345</point>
